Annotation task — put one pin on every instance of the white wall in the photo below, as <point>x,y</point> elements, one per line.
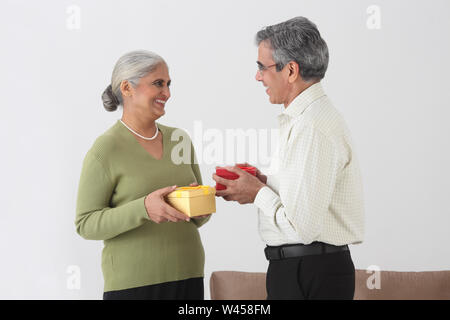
<point>390,84</point>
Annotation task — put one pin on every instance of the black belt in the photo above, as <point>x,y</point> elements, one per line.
<point>300,250</point>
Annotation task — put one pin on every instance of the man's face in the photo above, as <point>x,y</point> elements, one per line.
<point>276,82</point>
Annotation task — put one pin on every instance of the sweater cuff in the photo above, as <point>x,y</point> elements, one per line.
<point>266,200</point>
<point>139,208</point>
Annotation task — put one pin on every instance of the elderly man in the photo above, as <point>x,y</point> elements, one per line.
<point>312,208</point>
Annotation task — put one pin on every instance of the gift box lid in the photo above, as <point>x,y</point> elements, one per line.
<point>190,192</point>
<point>251,170</point>
<point>224,173</point>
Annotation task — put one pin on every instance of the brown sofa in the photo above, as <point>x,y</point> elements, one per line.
<point>434,285</point>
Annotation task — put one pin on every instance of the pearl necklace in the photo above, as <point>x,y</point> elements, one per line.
<point>145,138</point>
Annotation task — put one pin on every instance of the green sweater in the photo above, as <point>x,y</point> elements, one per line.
<point>117,174</point>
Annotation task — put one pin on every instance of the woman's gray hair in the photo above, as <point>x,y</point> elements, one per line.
<point>131,67</point>
<point>297,40</point>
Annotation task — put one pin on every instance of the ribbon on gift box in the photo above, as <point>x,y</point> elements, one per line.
<point>180,189</point>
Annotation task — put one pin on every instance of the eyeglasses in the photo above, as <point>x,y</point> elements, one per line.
<point>262,67</point>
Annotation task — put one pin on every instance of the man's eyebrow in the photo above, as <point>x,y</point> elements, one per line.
<point>259,63</point>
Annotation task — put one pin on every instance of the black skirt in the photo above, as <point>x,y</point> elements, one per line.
<point>189,289</point>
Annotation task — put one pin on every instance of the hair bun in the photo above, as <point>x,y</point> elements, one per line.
<point>110,101</point>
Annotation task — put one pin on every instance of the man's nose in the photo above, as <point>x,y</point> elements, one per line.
<point>258,76</point>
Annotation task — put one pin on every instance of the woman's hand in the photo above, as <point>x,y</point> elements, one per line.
<point>159,211</point>
<point>195,184</point>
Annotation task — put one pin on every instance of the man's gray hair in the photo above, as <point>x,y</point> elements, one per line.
<point>132,66</point>
<point>297,40</point>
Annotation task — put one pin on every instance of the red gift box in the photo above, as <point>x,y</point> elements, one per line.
<point>224,173</point>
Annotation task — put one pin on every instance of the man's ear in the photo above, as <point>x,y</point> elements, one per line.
<point>294,71</point>
<point>126,88</point>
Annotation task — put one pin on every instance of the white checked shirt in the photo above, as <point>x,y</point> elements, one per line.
<point>316,191</point>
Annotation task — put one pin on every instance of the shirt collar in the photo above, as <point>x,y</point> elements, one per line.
<point>303,101</point>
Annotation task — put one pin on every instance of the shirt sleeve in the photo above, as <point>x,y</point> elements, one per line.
<point>307,177</point>
<point>196,169</point>
<point>95,219</point>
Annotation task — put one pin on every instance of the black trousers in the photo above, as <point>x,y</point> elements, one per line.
<point>324,276</point>
<point>190,289</point>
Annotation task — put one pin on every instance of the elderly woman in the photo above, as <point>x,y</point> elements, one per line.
<point>151,250</point>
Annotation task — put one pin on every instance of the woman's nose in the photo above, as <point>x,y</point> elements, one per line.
<point>166,92</point>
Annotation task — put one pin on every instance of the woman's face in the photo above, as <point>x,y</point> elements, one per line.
<point>152,92</point>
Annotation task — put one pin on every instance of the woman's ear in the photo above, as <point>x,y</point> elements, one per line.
<point>125,88</point>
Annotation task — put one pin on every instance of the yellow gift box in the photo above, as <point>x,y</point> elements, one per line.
<point>193,201</point>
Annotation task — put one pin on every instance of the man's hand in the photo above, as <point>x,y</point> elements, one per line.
<point>259,175</point>
<point>243,190</point>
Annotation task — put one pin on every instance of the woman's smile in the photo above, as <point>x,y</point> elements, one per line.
<point>161,103</point>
